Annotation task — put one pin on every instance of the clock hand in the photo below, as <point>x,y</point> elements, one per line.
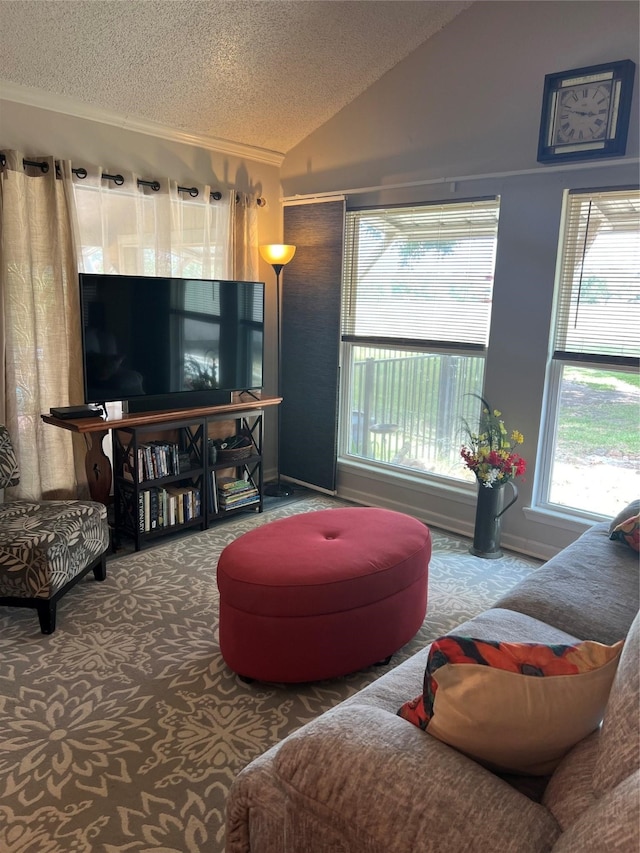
<point>580,112</point>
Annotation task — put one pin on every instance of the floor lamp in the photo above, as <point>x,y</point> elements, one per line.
<point>278,255</point>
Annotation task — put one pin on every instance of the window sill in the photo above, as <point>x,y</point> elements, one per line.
<point>563,520</point>
<point>464,492</point>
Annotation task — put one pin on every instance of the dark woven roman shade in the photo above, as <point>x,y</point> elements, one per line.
<point>310,342</point>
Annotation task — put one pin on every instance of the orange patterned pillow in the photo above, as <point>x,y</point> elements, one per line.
<point>628,531</point>
<point>516,707</point>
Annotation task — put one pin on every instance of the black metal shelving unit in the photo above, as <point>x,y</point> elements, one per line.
<point>158,465</point>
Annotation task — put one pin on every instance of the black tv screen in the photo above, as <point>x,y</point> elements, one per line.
<point>170,341</point>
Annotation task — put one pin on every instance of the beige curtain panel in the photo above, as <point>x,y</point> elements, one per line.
<point>39,283</point>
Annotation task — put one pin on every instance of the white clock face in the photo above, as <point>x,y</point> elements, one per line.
<point>582,113</point>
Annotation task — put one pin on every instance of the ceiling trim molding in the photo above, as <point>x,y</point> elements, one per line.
<point>72,107</point>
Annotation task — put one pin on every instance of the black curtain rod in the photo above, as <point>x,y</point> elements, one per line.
<point>118,180</point>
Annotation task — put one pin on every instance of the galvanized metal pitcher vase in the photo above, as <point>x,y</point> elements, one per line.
<point>489,511</point>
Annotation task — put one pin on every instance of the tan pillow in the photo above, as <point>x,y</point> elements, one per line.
<point>515,707</point>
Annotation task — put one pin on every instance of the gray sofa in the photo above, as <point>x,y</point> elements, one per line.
<point>359,779</point>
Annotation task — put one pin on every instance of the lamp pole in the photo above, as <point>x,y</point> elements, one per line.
<point>278,255</point>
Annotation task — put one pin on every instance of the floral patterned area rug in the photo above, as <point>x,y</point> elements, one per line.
<point>124,729</point>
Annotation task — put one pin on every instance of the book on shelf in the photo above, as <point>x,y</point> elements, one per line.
<point>155,459</point>
<point>172,503</point>
<point>160,508</point>
<point>213,494</point>
<point>147,510</point>
<point>227,499</point>
<point>238,495</point>
<point>197,503</point>
<point>234,492</point>
<point>147,463</point>
<point>188,504</point>
<point>232,484</point>
<point>153,508</point>
<point>141,515</point>
<point>158,460</point>
<point>245,500</point>
<point>177,493</point>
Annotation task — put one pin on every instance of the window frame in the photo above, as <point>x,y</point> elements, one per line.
<point>558,360</point>
<point>349,341</point>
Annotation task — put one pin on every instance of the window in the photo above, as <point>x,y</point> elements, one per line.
<point>592,445</point>
<point>417,290</point>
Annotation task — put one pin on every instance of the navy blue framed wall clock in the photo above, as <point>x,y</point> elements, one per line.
<point>585,112</point>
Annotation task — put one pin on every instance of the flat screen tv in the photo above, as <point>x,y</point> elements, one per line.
<point>165,343</point>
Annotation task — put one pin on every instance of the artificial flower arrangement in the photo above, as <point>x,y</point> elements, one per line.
<point>489,453</point>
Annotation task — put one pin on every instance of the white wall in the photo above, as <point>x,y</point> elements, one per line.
<point>36,131</point>
<point>467,103</point>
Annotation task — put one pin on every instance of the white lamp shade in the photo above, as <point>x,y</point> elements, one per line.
<point>277,253</point>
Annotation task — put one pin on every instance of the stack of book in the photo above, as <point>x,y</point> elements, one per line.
<point>234,493</point>
<point>158,508</point>
<point>155,459</point>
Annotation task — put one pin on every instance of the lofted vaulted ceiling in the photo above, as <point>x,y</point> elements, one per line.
<point>261,73</point>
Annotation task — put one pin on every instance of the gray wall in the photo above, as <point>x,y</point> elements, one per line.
<point>467,102</point>
<point>466,105</point>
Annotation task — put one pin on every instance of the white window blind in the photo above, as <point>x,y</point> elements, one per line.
<point>418,275</point>
<point>200,300</point>
<point>598,295</point>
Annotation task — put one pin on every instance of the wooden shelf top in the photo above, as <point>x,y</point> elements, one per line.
<point>83,425</point>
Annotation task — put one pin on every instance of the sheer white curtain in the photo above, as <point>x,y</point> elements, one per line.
<point>130,229</point>
<point>40,321</point>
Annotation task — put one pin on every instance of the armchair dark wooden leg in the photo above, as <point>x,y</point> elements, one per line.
<point>47,616</point>
<point>100,570</point>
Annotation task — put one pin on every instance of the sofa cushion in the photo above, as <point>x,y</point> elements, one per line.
<point>361,779</point>
<point>619,746</point>
<point>569,792</point>
<point>517,707</point>
<point>509,626</point>
<point>610,824</point>
<point>564,591</point>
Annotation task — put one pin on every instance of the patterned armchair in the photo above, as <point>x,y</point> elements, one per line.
<point>46,546</point>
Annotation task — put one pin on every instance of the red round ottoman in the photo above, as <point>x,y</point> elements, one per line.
<point>322,594</point>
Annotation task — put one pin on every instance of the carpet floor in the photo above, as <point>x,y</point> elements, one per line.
<point>124,729</point>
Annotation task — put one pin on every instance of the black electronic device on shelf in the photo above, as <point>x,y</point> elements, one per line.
<point>69,412</point>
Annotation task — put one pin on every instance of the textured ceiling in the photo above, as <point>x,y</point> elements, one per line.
<point>263,73</point>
